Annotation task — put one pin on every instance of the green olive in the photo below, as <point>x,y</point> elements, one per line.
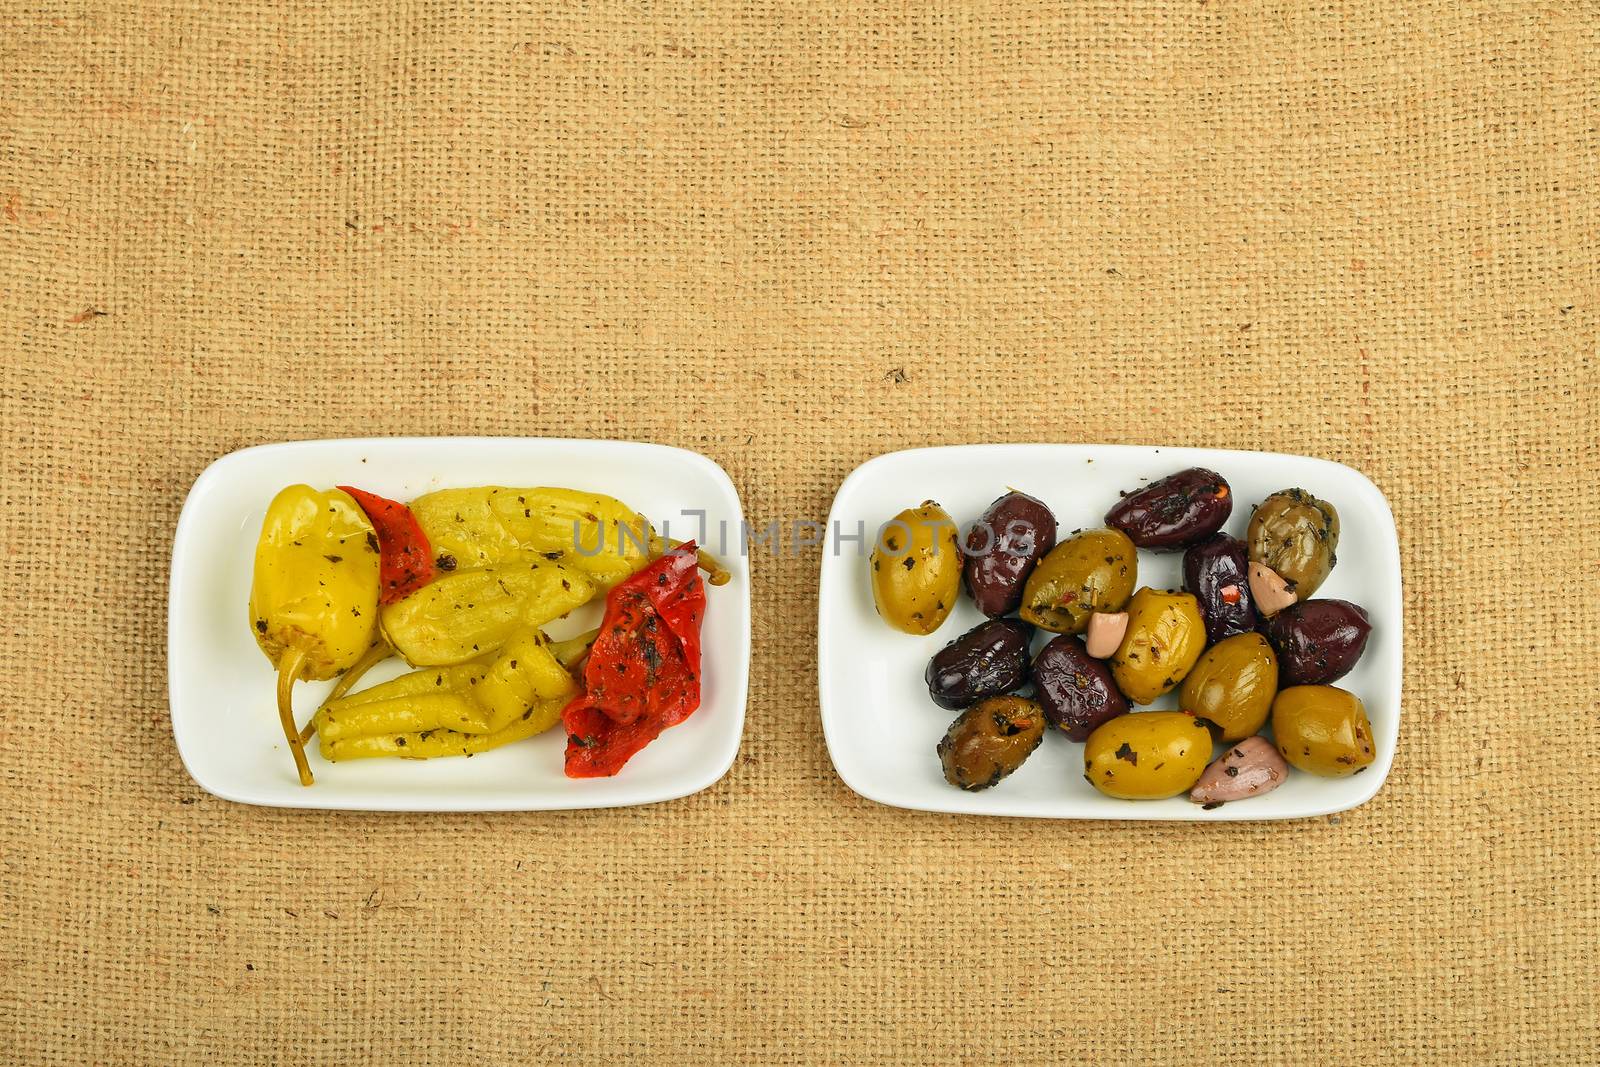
<point>1164,639</point>
<point>1093,570</point>
<point>990,740</point>
<point>1296,535</point>
<point>1233,685</point>
<point>1322,729</point>
<point>916,569</point>
<point>1150,755</point>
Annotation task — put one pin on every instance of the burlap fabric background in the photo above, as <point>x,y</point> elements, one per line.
<point>793,237</point>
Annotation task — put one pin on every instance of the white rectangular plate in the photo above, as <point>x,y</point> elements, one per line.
<point>221,686</point>
<point>881,725</point>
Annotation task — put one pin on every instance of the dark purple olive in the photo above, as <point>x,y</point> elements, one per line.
<point>986,661</point>
<point>1014,534</point>
<point>1217,572</point>
<point>1317,641</point>
<point>1178,510</point>
<point>1075,689</point>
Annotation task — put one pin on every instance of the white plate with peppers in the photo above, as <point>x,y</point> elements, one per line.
<point>459,624</point>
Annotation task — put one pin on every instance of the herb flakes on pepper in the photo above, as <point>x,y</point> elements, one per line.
<point>643,671</point>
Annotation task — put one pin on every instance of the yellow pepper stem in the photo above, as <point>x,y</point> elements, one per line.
<point>373,656</point>
<point>289,668</point>
<point>716,573</point>
<point>570,652</point>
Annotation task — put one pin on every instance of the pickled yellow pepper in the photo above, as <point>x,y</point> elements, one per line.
<point>490,526</point>
<point>314,593</point>
<point>510,559</point>
<point>453,710</point>
<point>469,613</point>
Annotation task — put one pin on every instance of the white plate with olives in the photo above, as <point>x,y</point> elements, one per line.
<point>1165,633</point>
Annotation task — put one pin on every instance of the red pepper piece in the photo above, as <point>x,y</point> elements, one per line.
<point>643,671</point>
<point>405,561</point>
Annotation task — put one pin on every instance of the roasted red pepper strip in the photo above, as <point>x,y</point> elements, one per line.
<point>405,561</point>
<point>643,671</point>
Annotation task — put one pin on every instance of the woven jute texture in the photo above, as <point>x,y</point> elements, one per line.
<point>794,236</point>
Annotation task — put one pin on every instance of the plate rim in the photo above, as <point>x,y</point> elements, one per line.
<point>189,517</point>
<point>1227,813</point>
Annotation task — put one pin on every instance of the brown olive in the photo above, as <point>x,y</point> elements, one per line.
<point>1296,535</point>
<point>1318,641</point>
<point>1075,689</point>
<point>1178,510</point>
<point>990,740</point>
<point>986,661</point>
<point>1003,548</point>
